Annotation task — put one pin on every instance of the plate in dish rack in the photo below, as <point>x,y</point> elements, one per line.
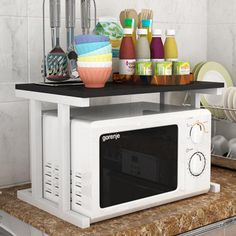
<point>226,98</point>
<point>214,72</point>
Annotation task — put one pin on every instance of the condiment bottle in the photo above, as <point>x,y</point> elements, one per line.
<point>142,46</point>
<point>130,23</point>
<point>127,54</point>
<point>170,46</point>
<point>157,47</point>
<point>147,24</point>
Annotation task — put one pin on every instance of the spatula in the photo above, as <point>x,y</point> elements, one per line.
<point>57,61</point>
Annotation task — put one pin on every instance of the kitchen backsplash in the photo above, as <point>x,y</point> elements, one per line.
<point>21,57</point>
<point>221,44</point>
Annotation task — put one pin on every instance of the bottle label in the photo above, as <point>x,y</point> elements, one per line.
<point>158,60</point>
<point>143,68</point>
<point>127,66</point>
<point>171,59</point>
<point>163,68</point>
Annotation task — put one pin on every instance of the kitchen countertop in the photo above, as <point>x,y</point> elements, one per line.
<point>169,219</point>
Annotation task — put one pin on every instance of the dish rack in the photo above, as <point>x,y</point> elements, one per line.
<point>217,160</point>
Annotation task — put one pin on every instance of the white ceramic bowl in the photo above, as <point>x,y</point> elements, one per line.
<point>94,64</point>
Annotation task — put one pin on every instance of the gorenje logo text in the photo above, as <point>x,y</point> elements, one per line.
<point>110,137</point>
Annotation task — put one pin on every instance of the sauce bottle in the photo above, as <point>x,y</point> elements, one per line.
<point>127,54</point>
<point>130,23</point>
<point>157,47</point>
<point>142,46</point>
<point>170,46</point>
<point>147,24</point>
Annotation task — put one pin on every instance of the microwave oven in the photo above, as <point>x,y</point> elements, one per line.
<point>129,157</point>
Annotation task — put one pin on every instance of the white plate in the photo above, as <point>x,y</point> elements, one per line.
<point>214,72</point>
<point>225,98</point>
<point>231,97</point>
<point>234,102</point>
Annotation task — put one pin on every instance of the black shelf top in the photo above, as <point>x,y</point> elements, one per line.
<point>112,89</point>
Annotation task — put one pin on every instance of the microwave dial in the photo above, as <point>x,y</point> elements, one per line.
<point>197,132</point>
<point>197,164</point>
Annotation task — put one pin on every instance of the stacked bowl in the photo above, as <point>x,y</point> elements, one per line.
<point>94,59</point>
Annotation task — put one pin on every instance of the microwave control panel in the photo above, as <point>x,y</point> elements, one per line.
<point>198,145</point>
<point>197,164</point>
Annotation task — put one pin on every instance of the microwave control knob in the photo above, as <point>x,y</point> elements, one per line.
<point>196,133</point>
<point>197,164</point>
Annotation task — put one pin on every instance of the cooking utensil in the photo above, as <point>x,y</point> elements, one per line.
<point>122,18</point>
<point>57,61</point>
<point>70,26</point>
<point>86,16</point>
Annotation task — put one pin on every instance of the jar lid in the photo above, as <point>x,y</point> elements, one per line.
<point>142,31</point>
<point>170,32</point>
<point>128,31</point>
<point>129,22</point>
<point>147,23</point>
<point>157,32</point>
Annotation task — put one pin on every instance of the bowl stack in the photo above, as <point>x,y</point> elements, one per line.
<point>94,59</point>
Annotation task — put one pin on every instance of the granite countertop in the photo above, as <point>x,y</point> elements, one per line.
<point>169,219</point>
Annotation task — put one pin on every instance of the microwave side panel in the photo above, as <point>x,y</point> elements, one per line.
<point>81,168</point>
<point>51,168</point>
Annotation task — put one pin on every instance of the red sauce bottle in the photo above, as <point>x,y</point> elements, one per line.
<point>127,54</point>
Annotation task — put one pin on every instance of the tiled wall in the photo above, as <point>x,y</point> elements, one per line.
<point>222,34</point>
<point>14,142</point>
<point>21,56</point>
<point>221,46</point>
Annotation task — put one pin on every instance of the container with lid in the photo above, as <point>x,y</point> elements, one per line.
<point>142,46</point>
<point>170,46</point>
<point>127,54</point>
<point>147,24</point>
<point>157,47</point>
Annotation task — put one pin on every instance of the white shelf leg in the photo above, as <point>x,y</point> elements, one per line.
<point>36,149</point>
<point>64,143</point>
<point>162,98</point>
<point>196,100</point>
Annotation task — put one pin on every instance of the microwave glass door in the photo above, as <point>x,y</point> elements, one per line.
<point>137,164</point>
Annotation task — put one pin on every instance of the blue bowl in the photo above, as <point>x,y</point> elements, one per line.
<point>85,48</point>
<point>90,38</point>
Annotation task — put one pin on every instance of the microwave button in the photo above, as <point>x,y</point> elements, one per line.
<point>197,164</point>
<point>197,132</point>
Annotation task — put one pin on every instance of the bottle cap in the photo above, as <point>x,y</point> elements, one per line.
<point>170,32</point>
<point>157,32</point>
<point>128,31</point>
<point>146,23</point>
<point>129,22</point>
<point>142,31</point>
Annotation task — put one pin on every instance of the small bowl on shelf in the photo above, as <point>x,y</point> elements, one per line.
<point>104,50</point>
<point>93,64</point>
<point>97,58</point>
<point>95,77</point>
<point>85,48</point>
<point>90,38</point>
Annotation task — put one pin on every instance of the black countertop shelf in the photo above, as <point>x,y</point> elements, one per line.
<point>112,89</point>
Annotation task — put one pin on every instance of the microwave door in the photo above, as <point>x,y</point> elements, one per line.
<point>138,164</point>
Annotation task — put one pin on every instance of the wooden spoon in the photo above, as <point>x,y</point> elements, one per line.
<point>122,18</point>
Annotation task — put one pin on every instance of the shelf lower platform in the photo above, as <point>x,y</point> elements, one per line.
<point>53,208</point>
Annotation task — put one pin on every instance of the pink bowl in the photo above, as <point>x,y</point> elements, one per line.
<point>94,77</point>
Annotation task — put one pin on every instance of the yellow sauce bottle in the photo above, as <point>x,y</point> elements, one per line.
<point>170,46</point>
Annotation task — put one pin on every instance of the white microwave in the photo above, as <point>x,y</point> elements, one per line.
<point>130,157</point>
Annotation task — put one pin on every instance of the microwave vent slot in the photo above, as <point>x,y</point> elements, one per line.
<point>78,189</point>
